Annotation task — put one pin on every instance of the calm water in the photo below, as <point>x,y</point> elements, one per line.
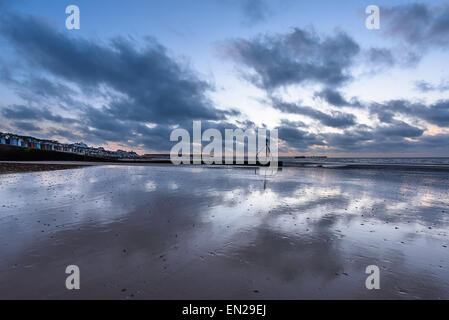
<point>372,161</point>
<point>183,232</point>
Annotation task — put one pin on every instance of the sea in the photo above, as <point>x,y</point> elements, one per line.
<point>427,163</point>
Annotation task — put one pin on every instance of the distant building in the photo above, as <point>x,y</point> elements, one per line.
<point>49,145</point>
<point>2,138</point>
<point>13,141</point>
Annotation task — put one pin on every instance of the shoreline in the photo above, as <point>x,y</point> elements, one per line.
<point>31,166</point>
<point>334,165</point>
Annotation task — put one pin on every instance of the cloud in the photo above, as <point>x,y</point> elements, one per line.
<point>26,126</point>
<point>151,85</point>
<point>424,86</point>
<point>399,129</point>
<point>336,119</point>
<point>418,24</point>
<point>357,142</point>
<point>301,56</point>
<point>381,56</point>
<point>40,87</point>
<point>395,137</point>
<point>21,112</point>
<point>436,113</point>
<point>335,98</point>
<point>134,92</point>
<point>294,137</point>
<point>416,28</point>
<point>254,11</point>
<point>350,140</point>
<point>290,123</point>
<point>304,56</point>
<point>143,90</point>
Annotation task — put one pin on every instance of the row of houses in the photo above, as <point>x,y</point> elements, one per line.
<point>50,145</point>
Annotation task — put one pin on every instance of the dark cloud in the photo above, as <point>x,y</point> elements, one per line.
<point>151,85</point>
<point>295,58</point>
<point>418,24</point>
<point>303,56</point>
<point>336,119</point>
<point>246,123</point>
<point>349,140</point>
<point>388,138</point>
<point>144,90</point>
<point>26,126</point>
<point>391,138</point>
<point>35,89</point>
<point>437,113</point>
<point>21,112</point>
<point>399,129</point>
<point>296,138</point>
<point>335,98</point>
<point>381,56</point>
<point>68,135</point>
<point>295,124</point>
<point>41,87</point>
<point>381,59</point>
<point>416,28</point>
<point>354,142</point>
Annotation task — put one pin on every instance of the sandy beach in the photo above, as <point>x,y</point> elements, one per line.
<point>17,167</point>
<point>167,232</point>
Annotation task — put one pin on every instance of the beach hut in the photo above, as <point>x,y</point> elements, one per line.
<point>26,142</point>
<point>69,148</point>
<point>13,141</point>
<point>2,139</point>
<point>45,146</point>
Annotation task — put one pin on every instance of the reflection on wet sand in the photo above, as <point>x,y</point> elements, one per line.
<point>220,233</point>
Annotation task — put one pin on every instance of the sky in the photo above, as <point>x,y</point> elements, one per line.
<point>136,70</point>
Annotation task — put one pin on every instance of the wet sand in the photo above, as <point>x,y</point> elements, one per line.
<point>166,232</point>
<point>12,167</point>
